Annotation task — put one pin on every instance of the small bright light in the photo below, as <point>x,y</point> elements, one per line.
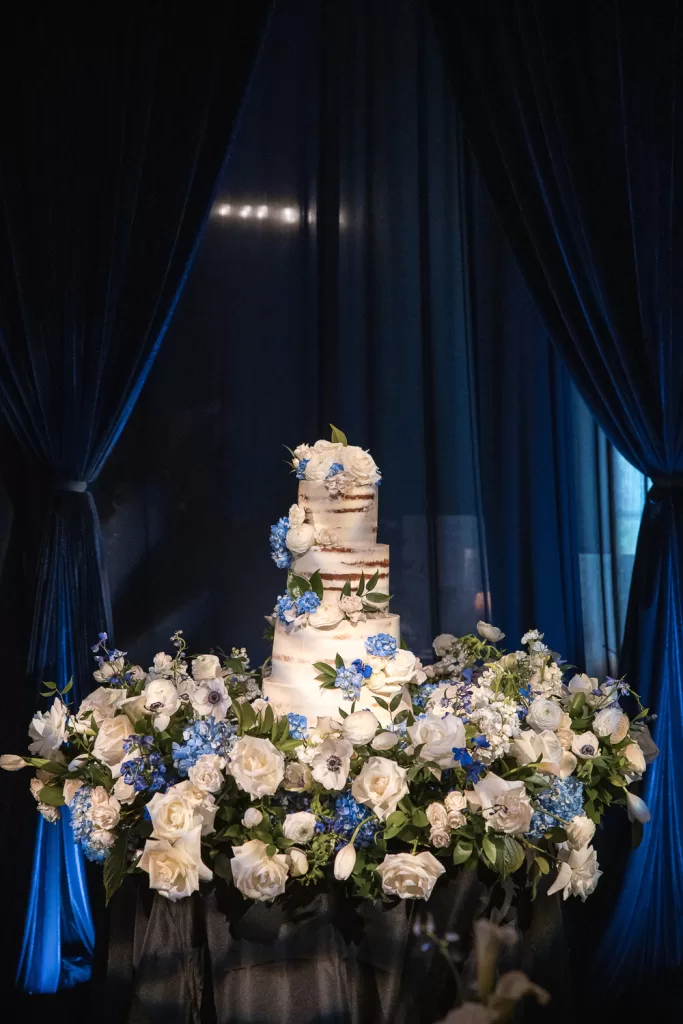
<point>225,210</point>
<point>289,215</point>
<point>262,212</point>
<point>245,211</point>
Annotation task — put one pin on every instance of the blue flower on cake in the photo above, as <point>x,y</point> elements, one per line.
<point>382,645</point>
<point>294,613</point>
<point>349,681</point>
<point>278,546</point>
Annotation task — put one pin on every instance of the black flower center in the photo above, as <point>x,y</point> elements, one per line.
<point>156,706</point>
<point>588,750</point>
<point>334,763</point>
<point>214,697</point>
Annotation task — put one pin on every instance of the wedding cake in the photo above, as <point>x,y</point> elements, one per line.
<point>335,640</point>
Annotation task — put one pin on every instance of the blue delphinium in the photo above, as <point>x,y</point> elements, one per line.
<point>473,769</point>
<point>382,645</point>
<point>562,800</point>
<point>348,815</point>
<point>301,469</point>
<point>298,725</point>
<point>335,468</point>
<point>349,681</point>
<point>365,670</point>
<point>308,603</point>
<point>83,827</point>
<point>207,736</point>
<point>147,772</point>
<point>279,553</point>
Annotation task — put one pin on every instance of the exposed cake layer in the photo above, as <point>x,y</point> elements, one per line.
<point>349,519</point>
<point>304,699</point>
<point>337,564</point>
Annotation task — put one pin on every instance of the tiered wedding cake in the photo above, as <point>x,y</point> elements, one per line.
<point>336,607</point>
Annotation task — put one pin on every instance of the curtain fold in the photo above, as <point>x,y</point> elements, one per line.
<point>115,126</point>
<point>574,115</point>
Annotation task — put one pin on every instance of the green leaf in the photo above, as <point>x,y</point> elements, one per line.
<point>296,585</point>
<point>233,665</point>
<point>543,865</point>
<point>401,716</point>
<point>419,818</point>
<point>339,661</point>
<point>511,856</point>
<point>404,644</point>
<point>115,865</point>
<point>271,850</point>
<point>52,795</point>
<point>489,850</point>
<point>395,701</point>
<point>50,686</point>
<point>68,686</point>
<point>46,693</point>
<point>378,598</point>
<point>316,584</point>
<point>394,824</point>
<point>361,585</point>
<point>268,720</point>
<point>346,589</point>
<point>462,852</point>
<point>248,717</point>
<point>373,582</point>
<point>325,669</point>
<point>338,436</point>
<point>577,703</point>
<point>221,866</point>
<point>382,703</point>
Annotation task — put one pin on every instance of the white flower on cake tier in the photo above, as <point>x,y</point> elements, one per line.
<point>438,737</point>
<point>299,826</point>
<point>545,714</point>
<point>256,875</point>
<point>319,465</point>
<point>331,763</point>
<point>105,810</point>
<point>108,746</point>
<point>505,805</point>
<point>297,515</point>
<point>333,449</point>
<point>489,632</point>
<point>175,869</point>
<point>47,731</point>
<point>359,727</point>
<point>256,765</point>
<point>611,723</point>
<point>340,483</point>
<point>529,746</point>
<point>300,538</point>
<point>577,874</point>
<point>410,876</point>
<point>327,615</point>
<point>206,666</point>
<point>360,465</point>
<point>580,831</point>
<point>210,697</point>
<point>352,607</point>
<point>161,701</point>
<point>323,537</point>
<point>302,451</point>
<point>381,784</point>
<point>207,772</point>
<point>108,670</point>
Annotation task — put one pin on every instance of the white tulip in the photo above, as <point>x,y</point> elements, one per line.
<point>637,808</point>
<point>344,862</point>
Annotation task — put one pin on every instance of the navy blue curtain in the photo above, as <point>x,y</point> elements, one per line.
<point>574,114</point>
<point>115,126</point>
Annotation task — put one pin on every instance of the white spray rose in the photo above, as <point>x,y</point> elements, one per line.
<point>359,727</point>
<point>577,874</point>
<point>206,666</point>
<point>380,784</point>
<point>103,837</point>
<point>207,772</point>
<point>252,817</point>
<point>439,736</point>
<point>384,741</point>
<point>173,814</point>
<point>161,701</point>
<point>47,731</point>
<point>505,805</point>
<point>123,791</point>
<point>300,826</point>
<point>455,803</point>
<point>437,816</point>
<point>611,722</point>
<point>345,862</point>
<point>297,516</point>
<point>175,869</point>
<point>256,875</point>
<point>256,765</point>
<point>72,786</point>
<point>105,810</point>
<point>352,607</point>
<point>108,746</point>
<point>490,633</point>
<point>300,538</point>
<point>580,831</point>
<point>297,862</point>
<point>410,876</point>
<point>586,745</point>
<point>545,714</point>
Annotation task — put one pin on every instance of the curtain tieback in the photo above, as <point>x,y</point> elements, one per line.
<point>674,482</point>
<point>77,486</point>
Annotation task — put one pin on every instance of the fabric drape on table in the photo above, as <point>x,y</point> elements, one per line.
<point>574,115</point>
<point>115,126</point>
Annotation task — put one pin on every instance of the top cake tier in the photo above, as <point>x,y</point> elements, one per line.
<point>347,520</point>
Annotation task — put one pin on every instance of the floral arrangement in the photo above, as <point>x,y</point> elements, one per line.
<point>500,762</point>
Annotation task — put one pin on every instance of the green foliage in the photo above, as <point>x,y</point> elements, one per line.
<point>115,865</point>
<point>52,795</point>
<point>338,436</point>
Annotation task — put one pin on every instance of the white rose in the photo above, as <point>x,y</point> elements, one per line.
<point>410,876</point>
<point>123,791</point>
<point>635,757</point>
<point>161,665</point>
<point>297,516</point>
<point>404,667</point>
<point>71,787</point>
<point>252,817</point>
<point>345,862</point>
<point>335,449</point>
<point>581,683</point>
<point>380,784</point>
<point>360,465</point>
<point>331,763</point>
<point>437,816</point>
<point>586,745</point>
<point>103,837</point>
<point>298,778</point>
<point>207,772</point>
<point>611,722</point>
<point>318,466</point>
<point>545,714</point>
<point>48,731</point>
<point>455,803</point>
<point>256,875</point>
<point>297,862</point>
<point>384,741</point>
<point>210,697</point>
<point>206,666</point>
<point>580,831</point>
<point>161,701</point>
<point>12,762</point>
<point>300,538</point>
<point>173,814</point>
<point>105,810</point>
<point>577,874</point>
<point>529,746</point>
<point>379,683</point>
<point>108,746</point>
<point>443,644</point>
<point>440,837</point>
<point>327,615</point>
<point>359,727</point>
<point>101,703</point>
<point>204,804</point>
<point>299,826</point>
<point>108,670</point>
<point>490,633</point>
<point>439,736</point>
<point>175,868</point>
<point>257,766</point>
<point>505,805</point>
<point>637,809</point>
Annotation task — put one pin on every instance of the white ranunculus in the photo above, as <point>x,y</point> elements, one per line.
<point>210,697</point>
<point>438,736</point>
<point>123,791</point>
<point>490,633</point>
<point>256,875</point>
<point>326,616</point>
<point>12,762</point>
<point>297,515</point>
<point>175,869</point>
<point>384,741</point>
<point>455,803</point>
<point>612,723</point>
<point>380,785</point>
<point>345,862</point>
<point>637,809</point>
<point>360,465</point>
<point>300,538</point>
<point>161,701</point>
<point>108,670</point>
<point>162,665</point>
<point>206,666</point>
<point>577,874</point>
<point>302,451</point>
<point>581,683</point>
<point>108,746</point>
<point>331,763</point>
<point>352,606</point>
<point>252,817</point>
<point>545,714</point>
<point>359,727</point>
<point>256,765</point>
<point>505,805</point>
<point>173,814</point>
<point>580,831</point>
<point>404,667</point>
<point>410,876</point>
<point>297,862</point>
<point>298,777</point>
<point>586,745</point>
<point>105,810</point>
<point>443,644</point>
<point>47,731</point>
<point>634,756</point>
<point>299,826</point>
<point>207,772</point>
<point>437,816</point>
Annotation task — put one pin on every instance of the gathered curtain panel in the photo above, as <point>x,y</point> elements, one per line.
<point>115,127</point>
<point>574,114</point>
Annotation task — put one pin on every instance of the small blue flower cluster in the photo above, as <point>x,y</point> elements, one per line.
<point>279,553</point>
<point>83,827</point>
<point>307,604</point>
<point>563,799</point>
<point>424,692</point>
<point>473,769</point>
<point>348,815</point>
<point>349,681</point>
<point>298,726</point>
<point>135,742</point>
<point>301,469</point>
<point>382,645</point>
<point>335,468</point>
<point>207,736</point>
<point>147,772</point>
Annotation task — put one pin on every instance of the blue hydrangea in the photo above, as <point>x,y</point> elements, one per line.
<point>298,725</point>
<point>382,645</point>
<point>349,681</point>
<point>83,828</point>
<point>283,605</point>
<point>207,736</point>
<point>335,468</point>
<point>278,548</point>
<point>348,815</point>
<point>147,771</point>
<point>424,692</point>
<point>563,799</point>
<point>301,469</point>
<point>308,603</point>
